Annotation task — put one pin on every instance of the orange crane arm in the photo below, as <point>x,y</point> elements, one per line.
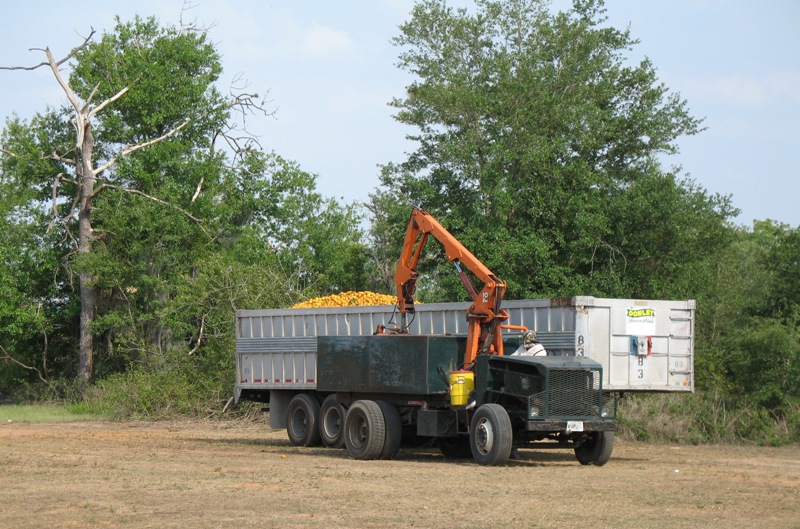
<point>484,333</point>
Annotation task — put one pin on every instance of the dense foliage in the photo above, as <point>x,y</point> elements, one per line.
<point>537,137</point>
<point>184,230</point>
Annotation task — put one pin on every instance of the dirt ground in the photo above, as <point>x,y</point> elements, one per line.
<point>243,475</point>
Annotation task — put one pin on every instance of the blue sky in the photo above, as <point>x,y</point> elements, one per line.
<point>329,70</point>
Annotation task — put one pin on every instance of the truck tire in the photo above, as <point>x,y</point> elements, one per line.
<point>596,449</point>
<point>364,430</point>
<point>331,422</point>
<point>394,430</point>
<point>302,418</point>
<point>491,435</point>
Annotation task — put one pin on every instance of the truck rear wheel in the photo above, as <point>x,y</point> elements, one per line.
<point>596,449</point>
<point>331,422</point>
<point>364,430</point>
<point>394,429</point>
<point>491,435</point>
<point>302,420</point>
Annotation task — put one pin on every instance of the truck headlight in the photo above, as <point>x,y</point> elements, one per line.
<point>602,411</point>
<point>533,412</point>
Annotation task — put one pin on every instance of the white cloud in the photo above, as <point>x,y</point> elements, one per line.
<point>748,90</point>
<point>324,42</point>
<point>787,83</point>
<point>740,89</point>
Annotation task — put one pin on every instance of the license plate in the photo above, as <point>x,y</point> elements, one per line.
<point>574,426</point>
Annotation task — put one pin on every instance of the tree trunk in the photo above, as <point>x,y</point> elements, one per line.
<point>86,177</point>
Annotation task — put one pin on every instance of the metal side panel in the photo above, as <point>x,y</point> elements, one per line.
<point>276,363</point>
<point>299,323</point>
<point>403,364</point>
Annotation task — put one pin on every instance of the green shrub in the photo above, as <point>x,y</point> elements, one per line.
<point>705,417</point>
<point>176,385</point>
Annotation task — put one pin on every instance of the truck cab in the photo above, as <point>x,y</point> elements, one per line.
<point>552,402</point>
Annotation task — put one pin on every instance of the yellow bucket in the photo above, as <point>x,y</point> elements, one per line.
<point>462,383</point>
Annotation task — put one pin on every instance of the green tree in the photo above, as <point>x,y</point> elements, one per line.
<point>388,214</point>
<point>86,167</point>
<point>762,342</point>
<point>538,146</point>
<point>159,191</point>
<point>35,308</point>
<point>313,238</point>
<point>737,277</point>
<point>37,311</point>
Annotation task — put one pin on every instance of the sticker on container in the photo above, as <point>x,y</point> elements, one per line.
<point>640,321</point>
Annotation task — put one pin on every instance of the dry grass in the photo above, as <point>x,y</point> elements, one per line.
<point>241,475</point>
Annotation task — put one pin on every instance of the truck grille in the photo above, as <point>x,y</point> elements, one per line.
<point>570,393</point>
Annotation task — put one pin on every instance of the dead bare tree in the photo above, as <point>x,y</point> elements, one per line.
<point>88,186</point>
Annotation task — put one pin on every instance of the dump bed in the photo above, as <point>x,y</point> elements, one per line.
<point>405,364</point>
<point>643,345</point>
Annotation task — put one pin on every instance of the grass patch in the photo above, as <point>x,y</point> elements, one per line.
<point>705,417</point>
<point>43,413</point>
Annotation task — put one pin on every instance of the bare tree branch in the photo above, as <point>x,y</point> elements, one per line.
<point>85,106</point>
<point>8,357</point>
<point>105,103</point>
<point>65,222</point>
<point>243,103</point>
<point>192,27</point>
<point>199,188</point>
<point>80,119</point>
<point>199,335</point>
<point>198,221</point>
<point>70,55</point>
<point>133,148</point>
<point>61,81</point>
<point>56,183</point>
<point>61,159</point>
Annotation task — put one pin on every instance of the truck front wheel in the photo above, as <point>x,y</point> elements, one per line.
<point>490,435</point>
<point>595,449</point>
<point>364,430</point>
<point>302,419</point>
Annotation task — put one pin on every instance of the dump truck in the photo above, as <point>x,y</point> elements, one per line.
<point>370,379</point>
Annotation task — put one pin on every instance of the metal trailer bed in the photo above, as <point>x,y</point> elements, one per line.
<point>643,345</point>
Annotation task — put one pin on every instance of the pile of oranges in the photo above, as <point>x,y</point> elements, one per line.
<point>362,298</point>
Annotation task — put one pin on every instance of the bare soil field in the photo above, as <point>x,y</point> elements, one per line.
<point>243,475</point>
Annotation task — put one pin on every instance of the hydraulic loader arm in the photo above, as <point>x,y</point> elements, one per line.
<point>484,316</point>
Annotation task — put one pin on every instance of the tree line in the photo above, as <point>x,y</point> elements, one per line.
<point>139,217</point>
